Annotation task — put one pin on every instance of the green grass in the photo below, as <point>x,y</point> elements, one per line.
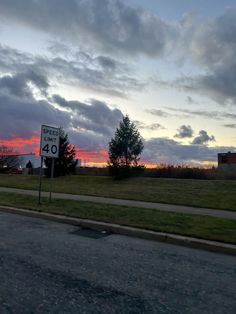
<point>218,194</point>
<point>190,225</point>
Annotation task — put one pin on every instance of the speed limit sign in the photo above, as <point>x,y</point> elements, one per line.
<point>49,145</point>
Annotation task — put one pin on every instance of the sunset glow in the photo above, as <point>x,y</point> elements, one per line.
<point>169,65</point>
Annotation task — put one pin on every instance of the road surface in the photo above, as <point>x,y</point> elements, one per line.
<point>47,267</point>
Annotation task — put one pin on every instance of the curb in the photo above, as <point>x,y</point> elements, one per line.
<point>190,242</point>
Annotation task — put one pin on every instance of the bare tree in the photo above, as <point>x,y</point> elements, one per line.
<point>8,158</point>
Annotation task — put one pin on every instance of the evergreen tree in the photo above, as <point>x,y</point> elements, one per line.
<point>29,165</point>
<point>65,163</point>
<point>125,149</point>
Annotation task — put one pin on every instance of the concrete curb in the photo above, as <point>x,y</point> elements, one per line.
<point>190,242</point>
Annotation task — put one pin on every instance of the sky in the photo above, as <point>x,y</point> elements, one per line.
<point>84,64</point>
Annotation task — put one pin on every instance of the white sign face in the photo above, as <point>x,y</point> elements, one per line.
<point>49,145</point>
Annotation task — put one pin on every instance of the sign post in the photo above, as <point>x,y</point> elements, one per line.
<point>40,181</point>
<point>49,147</point>
<point>52,173</point>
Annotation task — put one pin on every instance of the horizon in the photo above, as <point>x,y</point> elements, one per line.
<point>169,66</point>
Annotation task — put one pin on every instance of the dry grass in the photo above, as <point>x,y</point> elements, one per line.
<point>218,194</point>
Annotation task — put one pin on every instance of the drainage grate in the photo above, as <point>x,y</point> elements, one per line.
<point>91,233</point>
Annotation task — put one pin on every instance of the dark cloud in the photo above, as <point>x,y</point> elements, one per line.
<point>88,140</point>
<point>115,27</point>
<point>89,125</point>
<point>191,101</point>
<point>100,73</point>
<point>139,124</point>
<point>22,117</point>
<point>58,48</point>
<point>165,114</point>
<point>94,116</point>
<point>150,127</point>
<point>91,75</point>
<point>107,63</point>
<point>231,126</point>
<point>218,115</point>
<point>218,85</point>
<point>210,44</point>
<point>203,138</point>
<point>121,27</point>
<point>165,150</point>
<point>201,113</point>
<point>21,113</point>
<point>184,131</point>
<point>14,61</point>
<point>154,127</point>
<point>158,113</point>
<point>15,85</point>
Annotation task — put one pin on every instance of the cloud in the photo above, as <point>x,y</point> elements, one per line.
<point>217,115</point>
<point>191,101</point>
<point>121,27</point>
<point>108,63</point>
<point>210,45</point>
<point>18,84</point>
<point>21,113</point>
<point>231,126</point>
<point>59,49</point>
<point>185,131</point>
<point>150,127</point>
<point>90,125</point>
<point>218,85</point>
<point>203,138</point>
<point>95,73</point>
<point>158,113</point>
<point>94,116</point>
<point>209,42</point>
<point>154,127</point>
<point>165,150</point>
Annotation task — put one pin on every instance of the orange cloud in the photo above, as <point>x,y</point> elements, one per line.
<point>22,145</point>
<point>96,158</point>
<point>19,141</point>
<point>92,156</point>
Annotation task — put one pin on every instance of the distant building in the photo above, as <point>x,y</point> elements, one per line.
<point>78,163</point>
<point>227,161</point>
<point>25,158</point>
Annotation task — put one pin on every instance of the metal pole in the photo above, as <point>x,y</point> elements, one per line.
<point>52,174</point>
<point>40,181</point>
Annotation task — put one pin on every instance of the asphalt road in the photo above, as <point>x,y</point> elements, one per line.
<point>46,267</point>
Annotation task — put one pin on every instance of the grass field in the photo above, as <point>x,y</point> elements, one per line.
<point>220,194</point>
<point>204,227</point>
